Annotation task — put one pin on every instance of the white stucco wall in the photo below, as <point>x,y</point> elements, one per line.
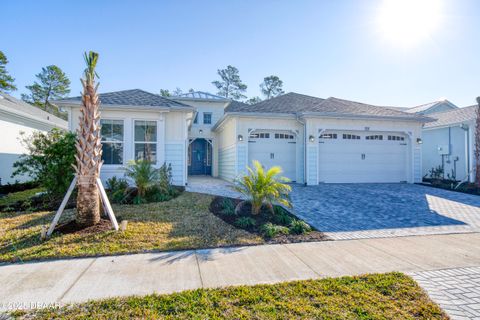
<point>172,132</point>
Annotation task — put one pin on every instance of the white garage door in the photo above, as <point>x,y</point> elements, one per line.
<point>273,148</point>
<point>355,157</point>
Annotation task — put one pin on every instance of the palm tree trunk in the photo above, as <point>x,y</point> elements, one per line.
<point>89,155</point>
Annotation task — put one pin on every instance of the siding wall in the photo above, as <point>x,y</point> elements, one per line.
<point>175,155</point>
<point>227,151</point>
<point>226,163</point>
<point>456,137</point>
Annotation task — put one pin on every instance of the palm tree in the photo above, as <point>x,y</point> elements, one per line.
<point>477,145</point>
<point>89,148</point>
<point>264,187</point>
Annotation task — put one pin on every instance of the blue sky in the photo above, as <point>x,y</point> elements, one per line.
<point>320,48</point>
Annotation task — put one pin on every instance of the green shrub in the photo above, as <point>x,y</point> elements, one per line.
<point>281,216</point>
<point>228,207</point>
<point>49,160</point>
<point>117,189</point>
<point>245,222</point>
<point>299,227</point>
<point>152,184</point>
<point>264,187</point>
<point>270,230</point>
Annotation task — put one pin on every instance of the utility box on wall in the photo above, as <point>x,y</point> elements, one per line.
<point>443,149</point>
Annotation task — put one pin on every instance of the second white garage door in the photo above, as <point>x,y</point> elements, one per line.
<point>357,157</point>
<point>274,148</point>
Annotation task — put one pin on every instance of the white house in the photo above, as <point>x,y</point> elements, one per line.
<point>449,141</point>
<point>16,117</point>
<point>314,140</point>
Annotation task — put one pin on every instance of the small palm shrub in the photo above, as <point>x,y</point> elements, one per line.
<point>143,174</point>
<point>245,222</point>
<point>270,230</point>
<point>152,184</point>
<point>264,187</point>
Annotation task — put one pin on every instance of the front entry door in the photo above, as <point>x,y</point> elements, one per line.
<point>200,158</point>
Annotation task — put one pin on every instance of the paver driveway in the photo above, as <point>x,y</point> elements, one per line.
<point>354,211</point>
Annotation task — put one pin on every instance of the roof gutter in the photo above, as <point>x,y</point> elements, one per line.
<point>357,116</point>
<point>123,107</point>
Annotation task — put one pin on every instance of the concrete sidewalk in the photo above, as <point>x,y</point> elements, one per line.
<point>63,281</point>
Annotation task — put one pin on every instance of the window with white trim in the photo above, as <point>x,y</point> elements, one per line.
<point>112,141</point>
<point>348,136</point>
<point>396,138</point>
<point>207,118</point>
<point>374,137</point>
<point>328,136</point>
<point>146,140</point>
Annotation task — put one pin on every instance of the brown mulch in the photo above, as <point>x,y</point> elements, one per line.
<point>73,227</point>
<point>266,215</point>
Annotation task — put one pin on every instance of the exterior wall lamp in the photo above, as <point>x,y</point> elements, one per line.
<point>419,140</point>
<point>200,131</point>
<point>240,137</point>
<point>311,138</point>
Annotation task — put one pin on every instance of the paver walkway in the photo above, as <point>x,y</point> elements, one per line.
<point>457,291</point>
<point>62,281</point>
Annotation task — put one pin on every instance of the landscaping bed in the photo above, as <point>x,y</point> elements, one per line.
<point>184,222</point>
<point>447,184</point>
<point>376,296</point>
<point>274,224</point>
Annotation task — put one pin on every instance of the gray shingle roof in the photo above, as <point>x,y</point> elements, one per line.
<point>455,116</point>
<point>294,103</point>
<point>14,105</point>
<point>134,97</point>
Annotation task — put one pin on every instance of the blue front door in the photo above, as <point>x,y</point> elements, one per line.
<point>200,158</point>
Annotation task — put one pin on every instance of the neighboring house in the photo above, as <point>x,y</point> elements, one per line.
<point>314,140</point>
<point>449,142</point>
<point>432,107</point>
<point>16,117</point>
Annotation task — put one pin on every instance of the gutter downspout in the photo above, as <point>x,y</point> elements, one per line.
<point>304,148</point>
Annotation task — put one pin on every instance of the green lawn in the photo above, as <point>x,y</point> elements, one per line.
<point>376,296</point>
<point>182,223</point>
<point>11,198</point>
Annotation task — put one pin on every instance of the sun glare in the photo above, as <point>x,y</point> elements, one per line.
<point>407,23</point>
